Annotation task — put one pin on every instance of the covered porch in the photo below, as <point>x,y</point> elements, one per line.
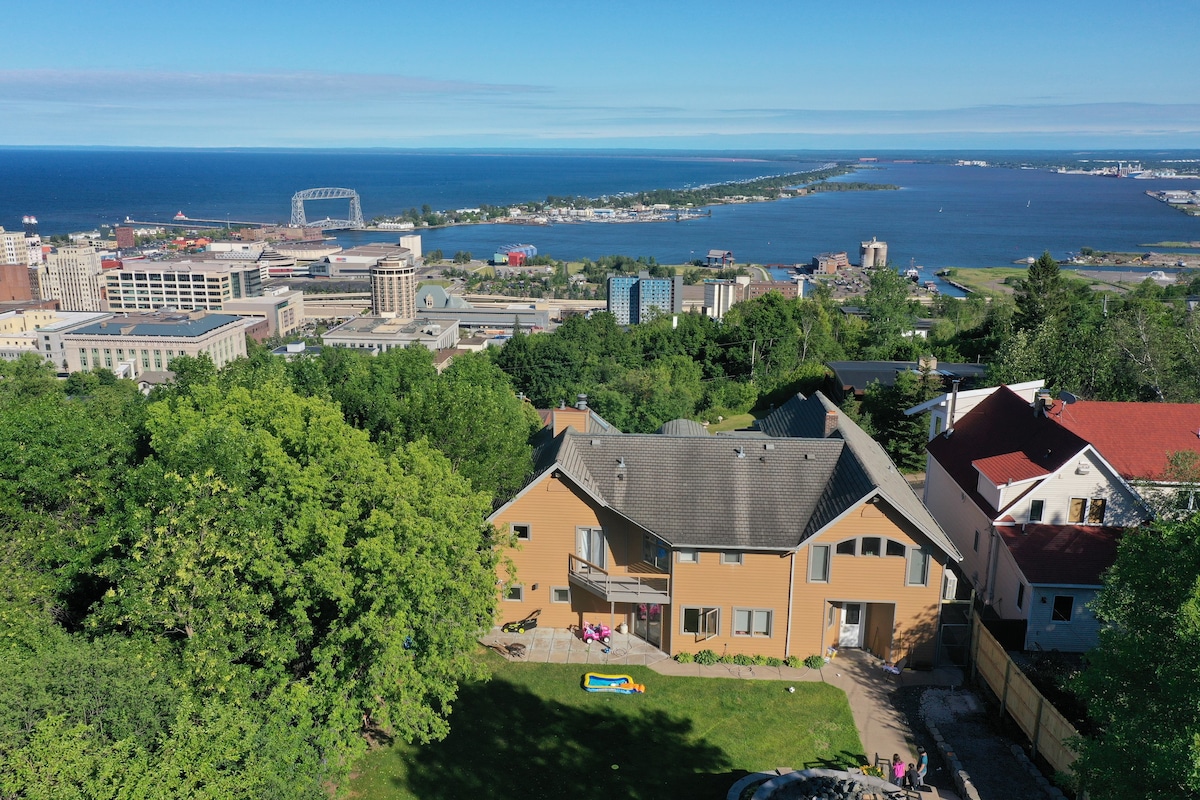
<point>851,624</point>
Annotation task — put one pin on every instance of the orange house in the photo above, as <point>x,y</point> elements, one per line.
<point>787,540</point>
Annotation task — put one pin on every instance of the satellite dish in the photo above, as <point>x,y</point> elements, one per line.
<point>1067,397</point>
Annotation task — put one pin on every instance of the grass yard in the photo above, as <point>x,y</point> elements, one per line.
<point>532,732</point>
<point>733,423</point>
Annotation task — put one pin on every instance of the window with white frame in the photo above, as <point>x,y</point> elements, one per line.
<point>689,556</point>
<point>515,593</point>
<point>818,563</point>
<point>1020,595</point>
<point>752,621</point>
<point>704,622</point>
<point>521,530</point>
<point>1037,508</point>
<point>918,567</point>
<point>560,594</point>
<point>731,558</point>
<point>1088,510</point>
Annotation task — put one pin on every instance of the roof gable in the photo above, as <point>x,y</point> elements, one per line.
<point>1003,438</point>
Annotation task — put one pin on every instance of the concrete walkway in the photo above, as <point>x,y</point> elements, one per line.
<point>860,675</point>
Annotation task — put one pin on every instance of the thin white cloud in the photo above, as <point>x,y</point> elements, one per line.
<point>102,86</point>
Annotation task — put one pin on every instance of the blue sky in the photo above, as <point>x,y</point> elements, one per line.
<point>654,74</point>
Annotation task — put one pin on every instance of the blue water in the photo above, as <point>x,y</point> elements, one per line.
<point>943,216</point>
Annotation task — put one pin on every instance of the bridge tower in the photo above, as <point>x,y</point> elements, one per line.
<point>355,219</point>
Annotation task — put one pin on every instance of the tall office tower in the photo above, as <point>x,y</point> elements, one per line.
<point>72,277</point>
<point>12,248</point>
<point>394,286</point>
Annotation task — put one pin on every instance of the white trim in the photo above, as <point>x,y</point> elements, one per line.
<point>944,399</point>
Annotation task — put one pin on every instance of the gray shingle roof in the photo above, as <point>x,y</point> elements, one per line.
<point>800,416</point>
<point>699,492</point>
<point>682,427</point>
<point>753,491</point>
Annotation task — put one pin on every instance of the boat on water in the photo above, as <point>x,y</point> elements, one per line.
<point>912,274</point>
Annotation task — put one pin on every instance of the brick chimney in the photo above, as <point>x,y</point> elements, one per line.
<point>831,422</point>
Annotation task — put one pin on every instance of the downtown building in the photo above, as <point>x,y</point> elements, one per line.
<point>187,285</point>
<point>637,299</point>
<point>73,277</point>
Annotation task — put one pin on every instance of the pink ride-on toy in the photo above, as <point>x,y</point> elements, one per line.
<point>596,633</point>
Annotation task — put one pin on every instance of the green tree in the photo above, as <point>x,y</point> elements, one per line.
<point>890,316</point>
<point>1140,681</point>
<point>1042,295</point>
<point>472,415</point>
<point>278,549</point>
<point>902,436</point>
<point>462,257</point>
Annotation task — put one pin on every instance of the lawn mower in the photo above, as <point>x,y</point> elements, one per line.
<point>522,625</point>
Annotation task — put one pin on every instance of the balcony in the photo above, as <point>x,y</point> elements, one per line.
<point>652,588</point>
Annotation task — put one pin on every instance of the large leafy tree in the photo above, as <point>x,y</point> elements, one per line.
<point>276,544</point>
<point>471,413</point>
<point>890,316</point>
<point>1140,681</point>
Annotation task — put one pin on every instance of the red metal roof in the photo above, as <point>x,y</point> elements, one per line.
<point>1009,467</point>
<point>1065,555</point>
<point>1136,438</point>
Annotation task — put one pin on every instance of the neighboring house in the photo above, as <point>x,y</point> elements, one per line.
<point>851,378</point>
<point>782,541</point>
<point>1036,506</point>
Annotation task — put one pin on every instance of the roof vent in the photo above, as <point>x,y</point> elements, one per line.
<point>595,442</point>
<point>741,452</point>
<point>769,446</point>
<point>620,464</point>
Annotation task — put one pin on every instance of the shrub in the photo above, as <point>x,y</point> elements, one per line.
<point>772,661</point>
<point>684,658</point>
<point>726,659</point>
<point>814,662</point>
<point>706,657</point>
<point>759,661</point>
<point>743,660</point>
<point>794,662</point>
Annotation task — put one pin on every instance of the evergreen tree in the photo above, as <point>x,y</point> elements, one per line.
<point>1042,295</point>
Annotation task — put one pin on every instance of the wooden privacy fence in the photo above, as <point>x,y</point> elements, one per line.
<point>1047,729</point>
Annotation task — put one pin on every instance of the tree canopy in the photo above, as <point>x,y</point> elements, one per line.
<point>1140,682</point>
<point>220,591</point>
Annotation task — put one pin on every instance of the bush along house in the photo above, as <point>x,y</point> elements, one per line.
<point>786,540</point>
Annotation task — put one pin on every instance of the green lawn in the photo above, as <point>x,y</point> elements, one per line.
<point>532,732</point>
<point>736,422</point>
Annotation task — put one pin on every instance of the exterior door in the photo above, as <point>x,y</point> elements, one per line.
<point>851,633</point>
<point>591,546</point>
<point>647,622</point>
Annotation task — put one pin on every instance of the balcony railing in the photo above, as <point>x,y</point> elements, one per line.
<point>618,588</point>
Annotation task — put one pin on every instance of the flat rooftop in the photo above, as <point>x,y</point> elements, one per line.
<point>186,265</point>
<point>387,326</point>
<point>162,324</point>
